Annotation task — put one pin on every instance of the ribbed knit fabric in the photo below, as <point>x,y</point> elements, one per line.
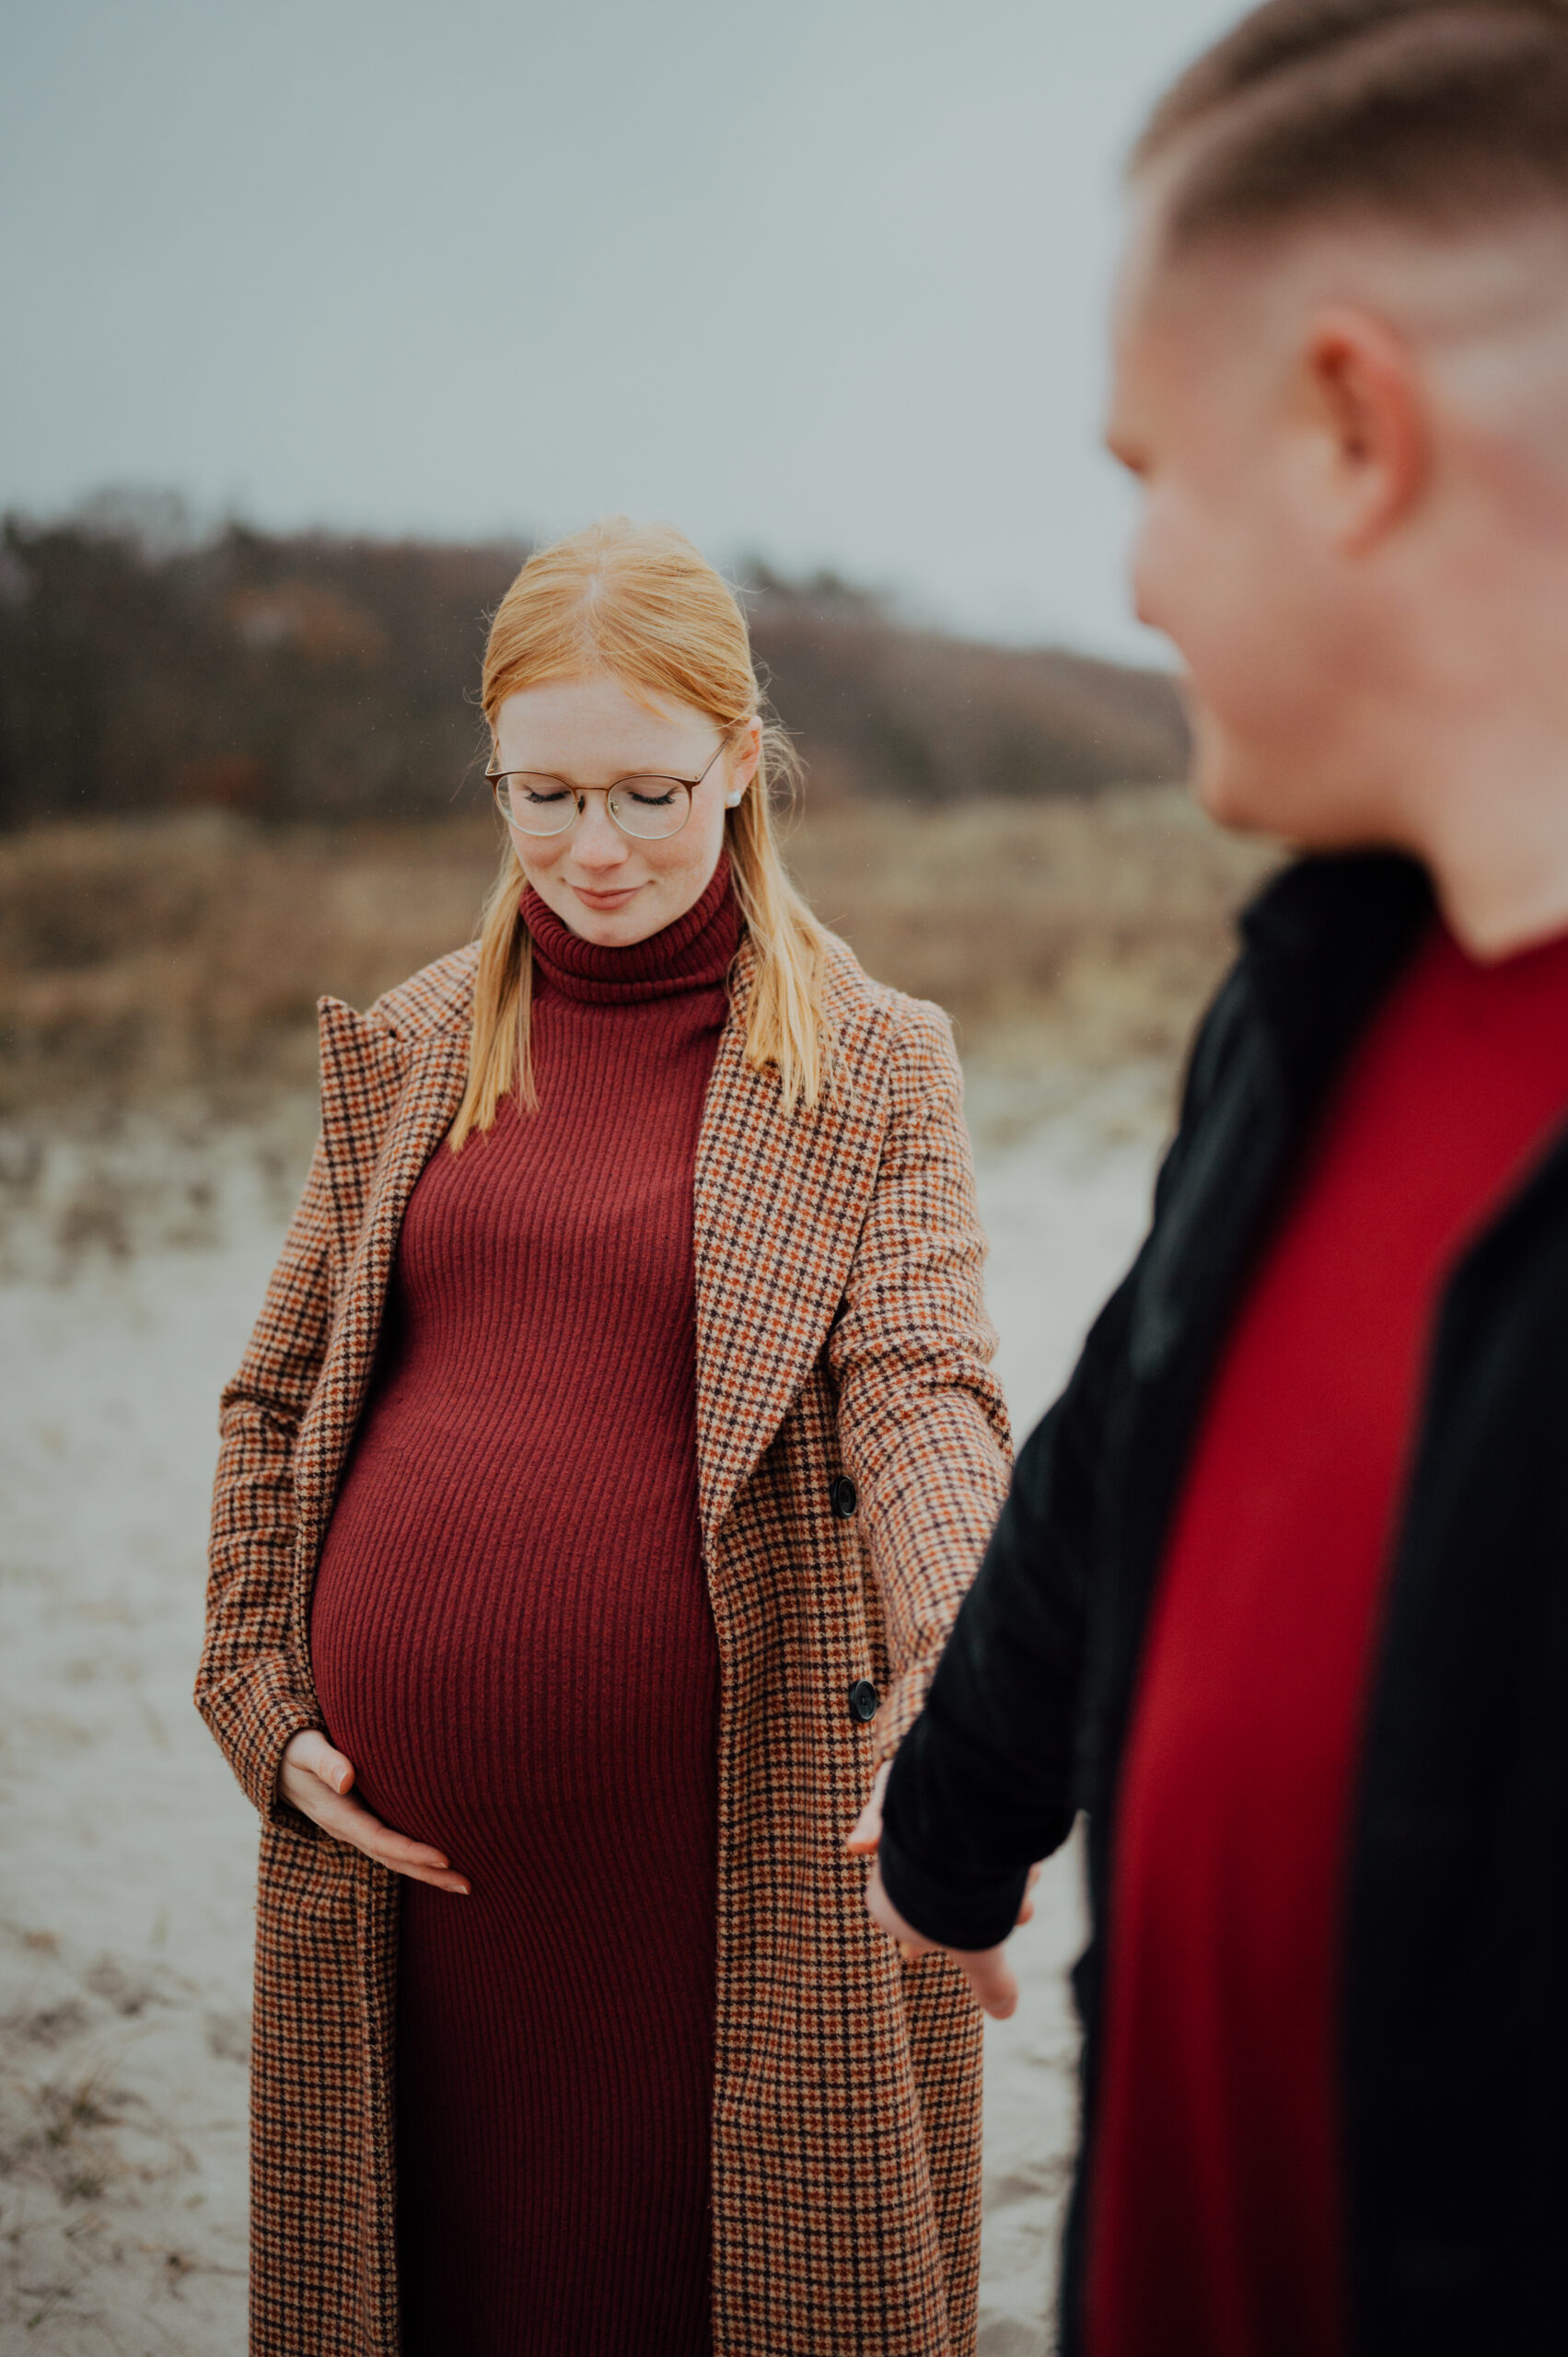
<point>513,1643</point>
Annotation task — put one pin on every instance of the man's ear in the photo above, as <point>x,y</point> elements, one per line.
<point>1369,407</point>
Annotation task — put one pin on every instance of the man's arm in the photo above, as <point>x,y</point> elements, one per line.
<point>982,1787</point>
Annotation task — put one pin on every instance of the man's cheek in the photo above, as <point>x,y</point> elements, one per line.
<point>1173,573</point>
<point>1149,570</point>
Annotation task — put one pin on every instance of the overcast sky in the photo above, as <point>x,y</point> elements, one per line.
<point>824,280</point>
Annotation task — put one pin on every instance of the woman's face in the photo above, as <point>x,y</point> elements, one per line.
<point>606,886</point>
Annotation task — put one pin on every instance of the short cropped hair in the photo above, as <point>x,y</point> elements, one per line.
<point>1440,114</point>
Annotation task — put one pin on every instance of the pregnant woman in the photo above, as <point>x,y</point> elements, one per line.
<point>609,1461</point>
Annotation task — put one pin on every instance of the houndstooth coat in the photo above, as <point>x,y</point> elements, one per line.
<point>840,1331</point>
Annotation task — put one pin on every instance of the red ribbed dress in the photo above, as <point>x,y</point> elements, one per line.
<point>513,1643</point>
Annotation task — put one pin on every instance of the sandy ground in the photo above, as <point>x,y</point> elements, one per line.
<point>131,1264</point>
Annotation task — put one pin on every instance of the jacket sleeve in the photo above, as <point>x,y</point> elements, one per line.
<point>923,1426</point>
<point>984,1783</point>
<point>252,1689</point>
<point>983,1786</point>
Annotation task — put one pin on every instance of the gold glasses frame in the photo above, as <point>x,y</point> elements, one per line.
<point>576,798</point>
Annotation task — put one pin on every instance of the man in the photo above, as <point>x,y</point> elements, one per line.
<point>1280,1594</point>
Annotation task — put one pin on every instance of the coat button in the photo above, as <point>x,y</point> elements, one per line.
<point>863,1699</point>
<point>842,1496</point>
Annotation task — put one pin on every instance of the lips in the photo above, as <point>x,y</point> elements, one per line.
<point>606,900</point>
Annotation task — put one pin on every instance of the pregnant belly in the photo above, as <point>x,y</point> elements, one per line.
<point>533,1691</point>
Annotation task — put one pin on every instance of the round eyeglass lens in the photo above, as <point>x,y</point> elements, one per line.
<point>536,806</point>
<point>650,807</point>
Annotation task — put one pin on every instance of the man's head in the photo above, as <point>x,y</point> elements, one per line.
<point>1343,376</point>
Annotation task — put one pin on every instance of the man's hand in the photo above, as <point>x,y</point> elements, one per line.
<point>987,1970</point>
<point>316,1780</point>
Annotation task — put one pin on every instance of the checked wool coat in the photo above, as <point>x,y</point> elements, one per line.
<point>840,1331</point>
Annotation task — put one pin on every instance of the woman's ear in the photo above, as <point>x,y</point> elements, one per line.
<point>745,757</point>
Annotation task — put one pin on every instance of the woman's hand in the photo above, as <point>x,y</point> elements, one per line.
<point>317,1781</point>
<point>987,1970</point>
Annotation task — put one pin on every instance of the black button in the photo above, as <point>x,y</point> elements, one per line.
<point>863,1699</point>
<point>842,1496</point>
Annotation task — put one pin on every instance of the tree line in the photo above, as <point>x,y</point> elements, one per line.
<point>318,674</point>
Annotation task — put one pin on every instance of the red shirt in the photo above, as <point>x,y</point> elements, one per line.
<point>1215,2216</point>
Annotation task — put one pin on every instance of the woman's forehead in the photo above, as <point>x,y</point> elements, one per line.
<point>563,723</point>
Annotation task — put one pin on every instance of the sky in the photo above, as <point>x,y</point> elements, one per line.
<point>823,282</point>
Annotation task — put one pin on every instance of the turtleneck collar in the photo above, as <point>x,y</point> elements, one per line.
<point>692,954</point>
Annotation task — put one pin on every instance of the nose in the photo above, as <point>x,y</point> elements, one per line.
<point>596,840</point>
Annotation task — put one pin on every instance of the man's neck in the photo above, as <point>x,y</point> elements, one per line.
<point>1492,826</point>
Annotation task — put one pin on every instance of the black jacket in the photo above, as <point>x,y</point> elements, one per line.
<point>1454,2030</point>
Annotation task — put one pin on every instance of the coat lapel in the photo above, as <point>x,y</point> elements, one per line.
<point>386,1105</point>
<point>780,1202</point>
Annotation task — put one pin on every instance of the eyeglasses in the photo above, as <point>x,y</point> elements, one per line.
<point>647,807</point>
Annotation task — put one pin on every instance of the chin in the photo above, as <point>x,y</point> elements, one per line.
<point>1234,786</point>
<point>616,928</point>
<point>1218,790</point>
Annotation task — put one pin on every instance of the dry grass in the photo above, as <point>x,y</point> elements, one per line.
<point>138,959</point>
<point>178,952</point>
<point>1091,931</point>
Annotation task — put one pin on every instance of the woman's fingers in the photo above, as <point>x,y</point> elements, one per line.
<point>311,1781</point>
<point>866,1831</point>
<point>310,1750</point>
<point>350,1820</point>
<point>334,1771</point>
<point>1025,1912</point>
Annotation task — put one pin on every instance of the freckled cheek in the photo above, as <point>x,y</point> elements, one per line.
<point>691,856</point>
<point>538,865</point>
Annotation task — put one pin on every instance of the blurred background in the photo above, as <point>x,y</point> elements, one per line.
<point>316,319</point>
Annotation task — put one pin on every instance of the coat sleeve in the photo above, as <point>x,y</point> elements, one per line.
<point>252,1689</point>
<point>923,1426</point>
